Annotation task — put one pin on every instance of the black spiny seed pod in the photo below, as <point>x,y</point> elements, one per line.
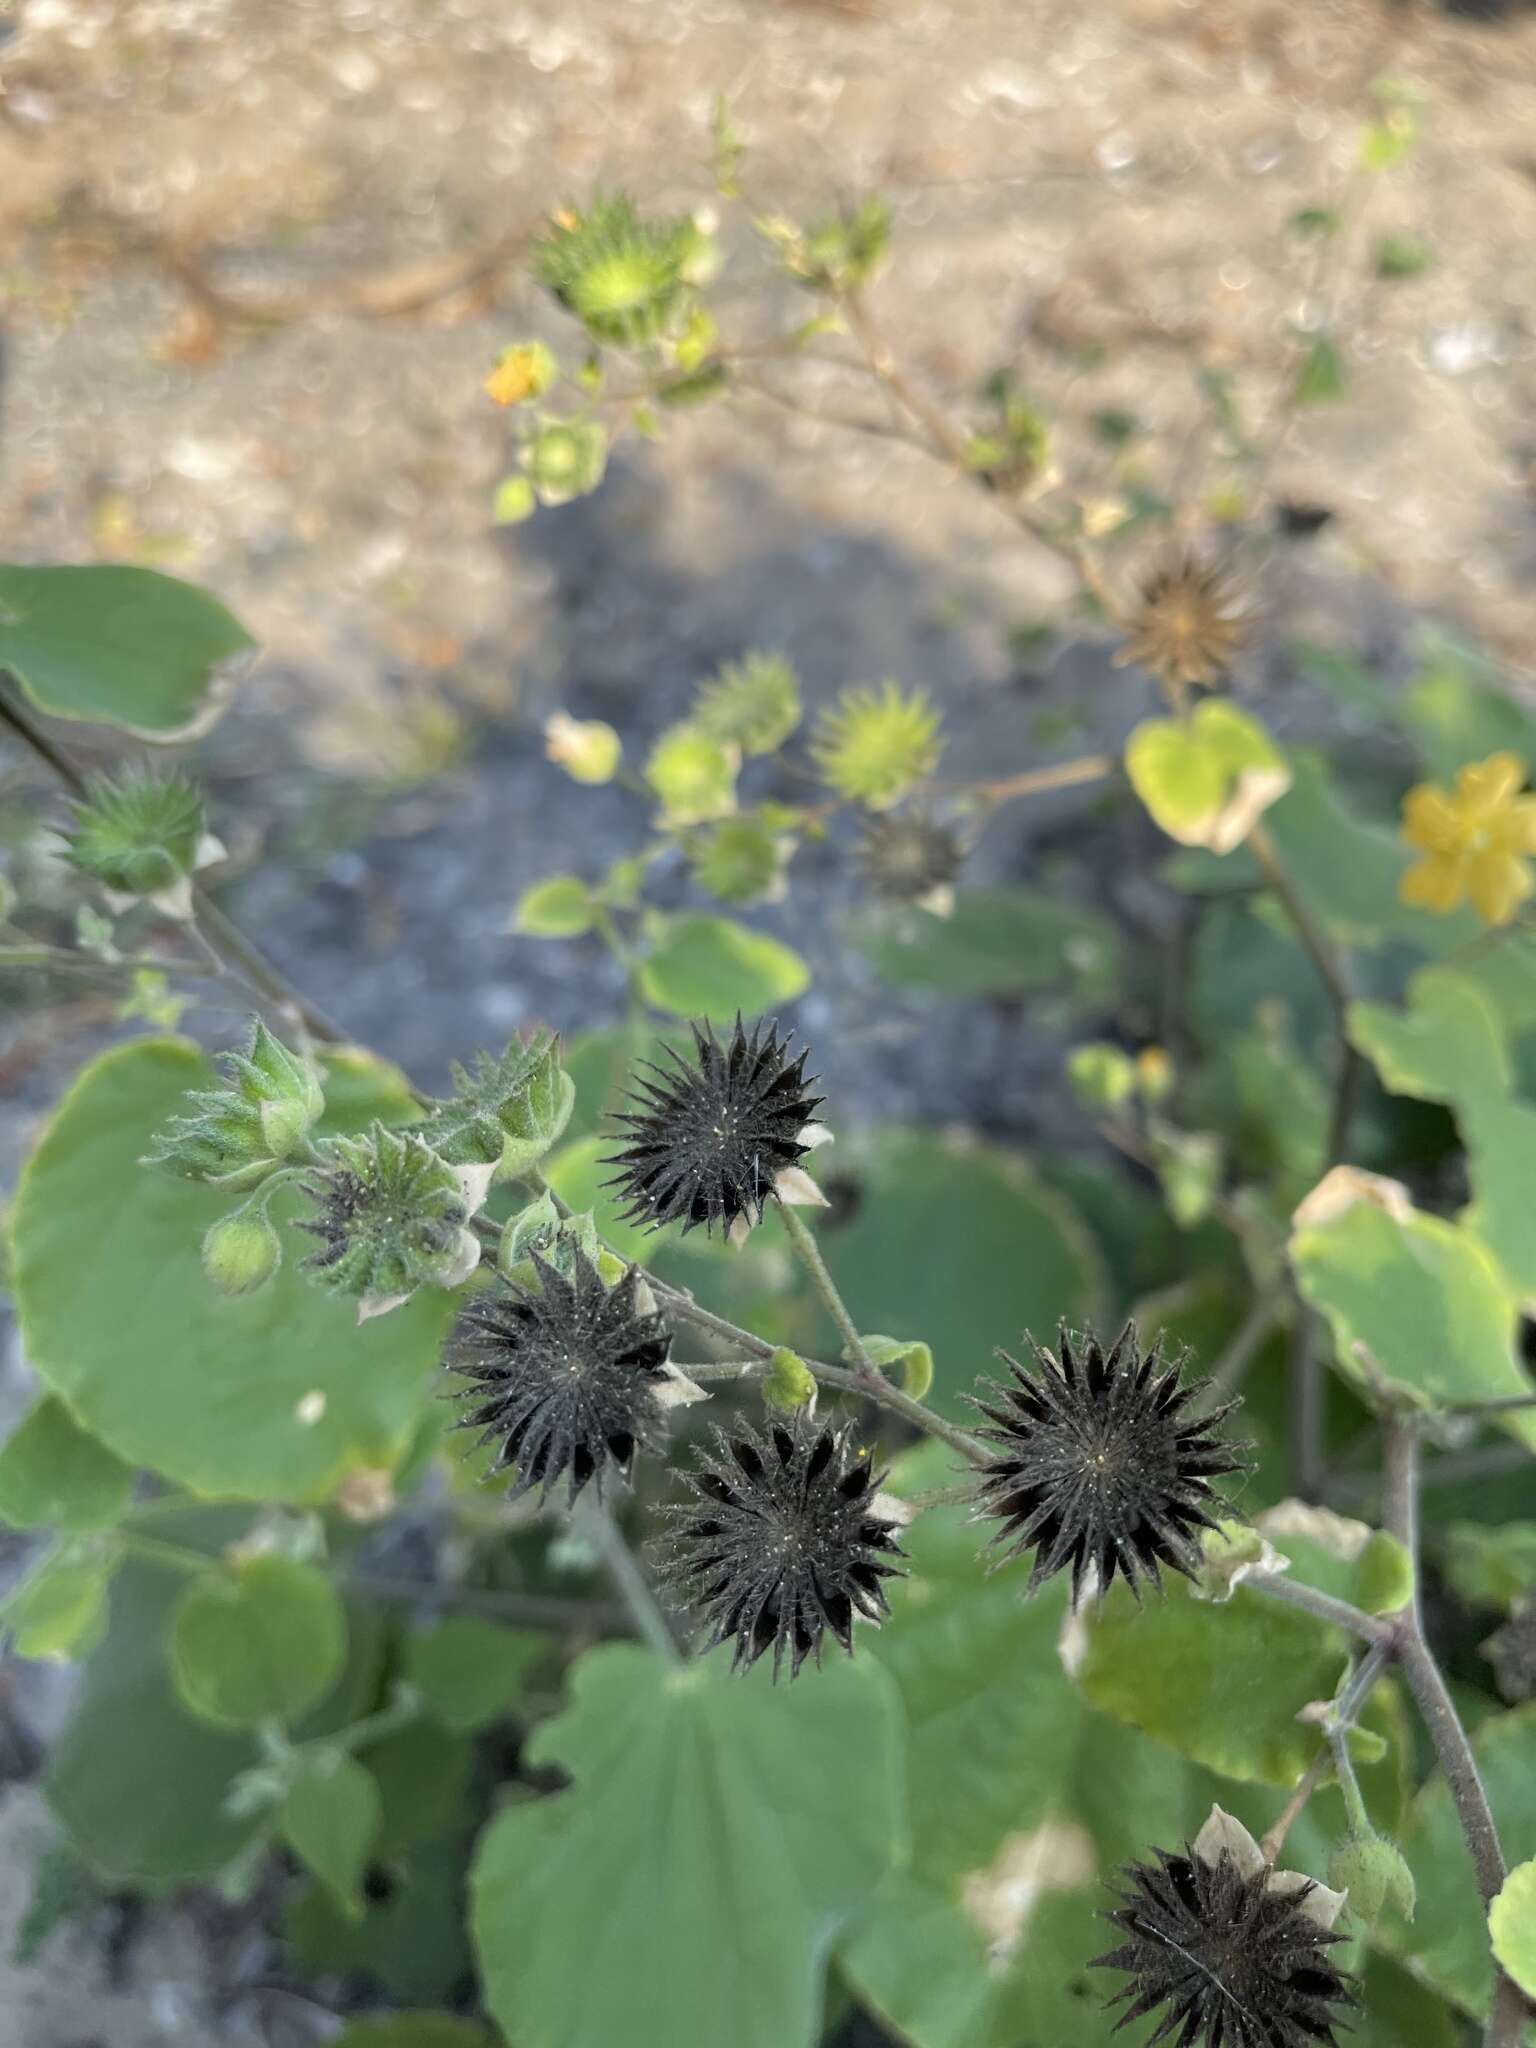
<point>1099,1462</point>
<point>1512,1653</point>
<point>906,855</point>
<point>706,1139</point>
<point>783,1541</point>
<point>1230,1957</point>
<point>566,1376</point>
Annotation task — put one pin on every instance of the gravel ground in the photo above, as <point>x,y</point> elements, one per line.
<point>1096,196</point>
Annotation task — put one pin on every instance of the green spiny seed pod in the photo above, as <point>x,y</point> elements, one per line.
<point>753,703</point>
<point>390,1218</point>
<point>241,1252</point>
<point>625,279</point>
<point>138,833</point>
<point>871,746</point>
<point>235,1135</point>
<point>505,1111</point>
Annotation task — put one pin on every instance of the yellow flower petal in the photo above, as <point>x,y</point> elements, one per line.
<point>1497,885</point>
<point>1430,820</point>
<point>1516,830</point>
<point>1485,787</point>
<point>1433,884</point>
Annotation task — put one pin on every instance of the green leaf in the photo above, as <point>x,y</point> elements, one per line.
<point>1424,1296</point>
<point>59,1609</point>
<point>411,1942</point>
<point>423,1775</point>
<point>514,501</point>
<point>1003,941</point>
<point>260,1641</point>
<point>1221,1682</point>
<point>330,1819</point>
<point>1448,1045</point>
<point>713,967</point>
<point>276,1395</point>
<point>469,1672</point>
<point>559,908</point>
<point>125,647</point>
<point>736,1825</point>
<point>1207,779</point>
<point>413,2030</point>
<point>1383,1575</point>
<point>1447,1943</point>
<point>1512,1926</point>
<point>1320,379</point>
<point>136,1780</point>
<point>1492,1567</point>
<point>961,1241</point>
<point>52,1472</point>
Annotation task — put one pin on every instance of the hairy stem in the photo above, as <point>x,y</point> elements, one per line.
<point>1334,973</point>
<point>1321,1606</point>
<point>630,1582</point>
<point>878,1391</point>
<point>1347,1708</point>
<point>809,1254</point>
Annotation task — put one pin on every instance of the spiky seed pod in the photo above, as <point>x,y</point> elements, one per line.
<point>707,1138</point>
<point>1099,1462</point>
<point>236,1134</point>
<point>908,855</point>
<point>566,1375</point>
<point>1188,627</point>
<point>871,746</point>
<point>507,1111</point>
<point>623,278</point>
<point>390,1217</point>
<point>138,833</point>
<point>753,703</point>
<point>1231,1955</point>
<point>784,1541</point>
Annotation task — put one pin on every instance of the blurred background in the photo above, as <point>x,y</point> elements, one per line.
<point>257,258</point>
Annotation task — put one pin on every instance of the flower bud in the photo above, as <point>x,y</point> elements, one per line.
<point>233,1136</point>
<point>241,1251</point>
<point>1101,1076</point>
<point>585,748</point>
<point>788,1383</point>
<point>1375,1874</point>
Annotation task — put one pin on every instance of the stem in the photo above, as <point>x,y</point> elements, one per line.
<point>949,444</point>
<point>13,713</point>
<point>809,1254</point>
<point>1334,973</point>
<point>631,1584</point>
<point>1400,1517</point>
<point>1321,1606</point>
<point>59,959</point>
<point>1346,1710</point>
<point>879,1392</point>
<point>1231,1368</point>
<point>1038,781</point>
<point>1273,1839</point>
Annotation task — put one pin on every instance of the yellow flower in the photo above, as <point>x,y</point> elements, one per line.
<point>1472,841</point>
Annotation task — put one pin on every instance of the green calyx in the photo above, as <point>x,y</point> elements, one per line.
<point>241,1252</point>
<point>1375,1874</point>
<point>564,459</point>
<point>390,1218</point>
<point>625,279</point>
<point>137,834</point>
<point>505,1112</point>
<point>235,1135</point>
<point>753,704</point>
